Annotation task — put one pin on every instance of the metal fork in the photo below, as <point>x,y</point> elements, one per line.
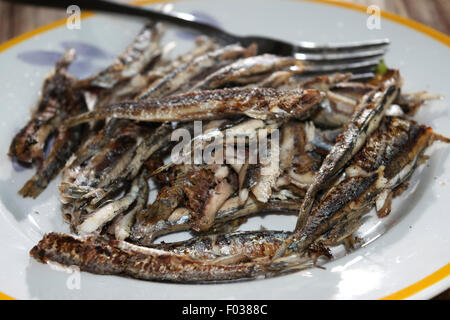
<point>359,57</point>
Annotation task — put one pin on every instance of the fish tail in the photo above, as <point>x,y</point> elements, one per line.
<point>33,188</point>
<point>288,264</point>
<point>438,137</point>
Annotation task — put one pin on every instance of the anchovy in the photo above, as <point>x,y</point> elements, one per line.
<point>302,150</point>
<point>63,147</point>
<point>117,257</point>
<point>245,70</point>
<point>214,104</point>
<point>387,160</point>
<point>136,57</point>
<point>150,144</point>
<point>58,101</point>
<point>144,49</point>
<point>251,244</point>
<point>205,192</point>
<point>132,162</point>
<point>86,185</point>
<point>182,76</point>
<point>233,209</point>
<point>364,122</point>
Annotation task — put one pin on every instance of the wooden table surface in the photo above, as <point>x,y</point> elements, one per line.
<point>16,19</point>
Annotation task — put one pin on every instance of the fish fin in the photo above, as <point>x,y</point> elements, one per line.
<point>32,188</point>
<point>438,137</point>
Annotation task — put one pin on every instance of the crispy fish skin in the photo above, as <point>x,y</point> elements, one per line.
<point>243,71</point>
<point>56,103</point>
<point>120,258</point>
<point>136,157</point>
<point>92,146</point>
<point>96,171</point>
<point>117,257</point>
<point>65,144</point>
<point>258,103</point>
<point>86,185</point>
<point>252,244</point>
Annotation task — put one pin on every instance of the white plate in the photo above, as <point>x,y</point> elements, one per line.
<point>415,241</point>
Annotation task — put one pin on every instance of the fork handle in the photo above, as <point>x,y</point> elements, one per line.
<point>179,19</point>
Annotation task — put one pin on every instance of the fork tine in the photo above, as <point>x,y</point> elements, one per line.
<point>340,55</point>
<point>306,46</point>
<point>341,67</point>
<point>362,76</point>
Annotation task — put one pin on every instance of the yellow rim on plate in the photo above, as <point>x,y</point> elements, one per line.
<point>420,285</point>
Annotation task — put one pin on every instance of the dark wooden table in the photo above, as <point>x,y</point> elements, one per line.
<point>16,19</point>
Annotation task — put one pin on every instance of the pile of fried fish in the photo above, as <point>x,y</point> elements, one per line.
<point>345,147</point>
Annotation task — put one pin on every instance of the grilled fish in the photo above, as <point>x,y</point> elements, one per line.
<point>58,101</point>
<point>144,49</point>
<point>208,105</point>
<point>387,160</point>
<point>252,244</point>
<point>182,77</point>
<point>63,147</point>
<point>117,257</point>
<point>364,122</point>
<point>246,71</point>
